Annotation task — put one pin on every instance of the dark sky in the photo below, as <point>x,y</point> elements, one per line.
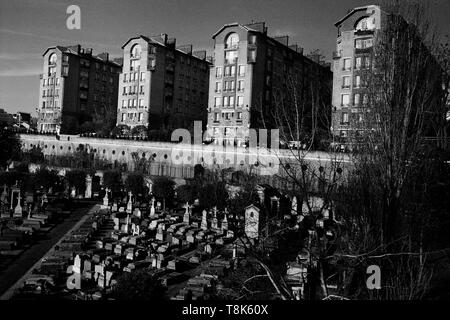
<point>28,27</point>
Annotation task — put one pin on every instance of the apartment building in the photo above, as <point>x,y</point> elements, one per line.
<point>162,86</point>
<point>75,87</point>
<point>250,70</point>
<point>352,61</point>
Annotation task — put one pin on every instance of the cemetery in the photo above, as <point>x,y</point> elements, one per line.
<point>188,253</point>
<point>26,218</point>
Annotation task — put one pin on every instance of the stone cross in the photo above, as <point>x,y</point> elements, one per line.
<point>18,209</point>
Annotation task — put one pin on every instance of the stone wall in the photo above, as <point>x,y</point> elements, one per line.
<point>178,160</point>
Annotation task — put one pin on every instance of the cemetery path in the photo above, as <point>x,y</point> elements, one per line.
<point>14,275</point>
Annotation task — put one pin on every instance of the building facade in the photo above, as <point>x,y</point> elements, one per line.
<point>75,87</point>
<point>250,71</point>
<point>352,61</point>
<point>162,86</point>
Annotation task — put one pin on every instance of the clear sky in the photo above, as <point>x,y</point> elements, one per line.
<point>28,27</point>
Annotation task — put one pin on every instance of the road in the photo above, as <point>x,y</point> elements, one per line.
<point>9,278</point>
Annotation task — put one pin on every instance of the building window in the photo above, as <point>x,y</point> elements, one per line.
<point>216,117</point>
<point>232,41</point>
<point>218,86</point>
<point>344,117</point>
<point>357,81</point>
<point>233,71</point>
<point>345,99</point>
<point>347,64</point>
<point>239,115</point>
<point>217,101</point>
<point>123,103</point>
<point>232,101</point>
<point>252,39</point>
<point>142,76</point>
<point>241,70</point>
<point>227,71</point>
<point>356,98</point>
<point>367,62</point>
<point>135,51</point>
<point>124,117</point>
<point>363,43</point>
<point>218,72</point>
<point>252,55</point>
<point>52,59</point>
<point>231,56</point>
<point>346,82</point>
<point>240,100</point>
<point>365,98</point>
<point>360,117</point>
<point>358,62</point>
<point>226,101</point>
<point>241,85</point>
<point>134,65</point>
<point>141,116</point>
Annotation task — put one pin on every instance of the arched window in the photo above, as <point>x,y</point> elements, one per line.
<point>135,51</point>
<point>52,59</point>
<point>232,41</point>
<point>366,23</point>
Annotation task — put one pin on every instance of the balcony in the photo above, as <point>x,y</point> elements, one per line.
<point>366,32</point>
<point>363,50</point>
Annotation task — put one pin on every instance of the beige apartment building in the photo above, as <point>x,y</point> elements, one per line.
<point>162,86</point>
<point>250,69</point>
<point>75,87</point>
<point>352,61</point>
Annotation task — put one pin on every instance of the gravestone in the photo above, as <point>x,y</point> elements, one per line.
<point>204,224</point>
<point>152,208</point>
<point>18,208</point>
<point>88,192</point>
<point>215,221</point>
<point>224,225</point>
<point>187,214</point>
<point>294,206</point>
<point>130,203</point>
